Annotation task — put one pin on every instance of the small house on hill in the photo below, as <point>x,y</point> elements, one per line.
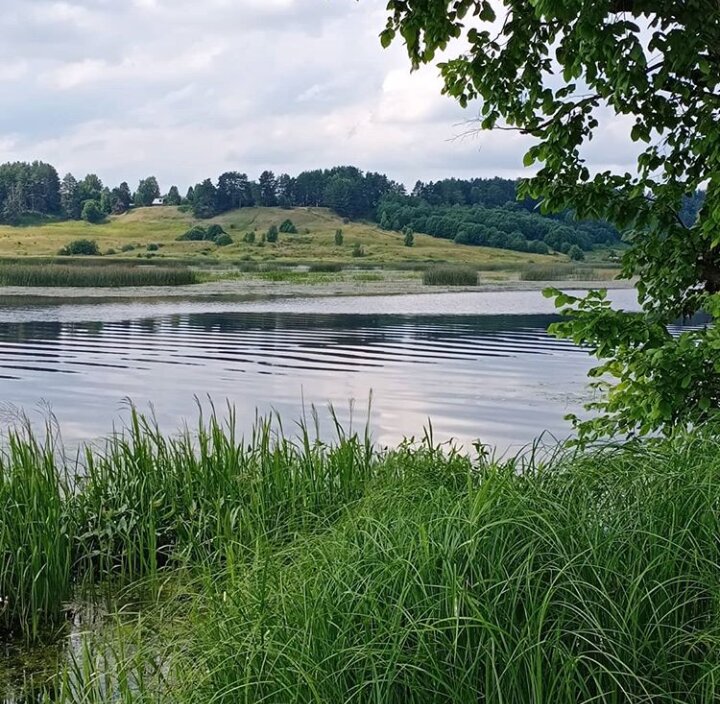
<point>158,201</point>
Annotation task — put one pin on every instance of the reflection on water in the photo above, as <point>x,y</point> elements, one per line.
<point>498,378</point>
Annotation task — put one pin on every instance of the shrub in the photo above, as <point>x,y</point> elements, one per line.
<point>288,227</point>
<point>152,247</point>
<point>223,240</point>
<point>358,250</point>
<point>408,236</point>
<point>127,248</point>
<point>339,237</point>
<point>110,252</point>
<point>249,237</point>
<point>576,254</point>
<point>346,221</point>
<point>449,275</point>
<point>194,234</point>
<point>272,234</point>
<point>213,232</point>
<point>92,212</point>
<point>80,248</point>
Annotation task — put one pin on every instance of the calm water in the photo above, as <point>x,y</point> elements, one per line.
<point>479,365</point>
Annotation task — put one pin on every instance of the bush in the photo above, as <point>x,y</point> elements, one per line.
<point>408,237</point>
<point>339,238</point>
<point>194,234</point>
<point>213,232</point>
<point>80,248</point>
<point>358,250</point>
<point>249,237</point>
<point>127,248</point>
<point>223,240</point>
<point>448,275</point>
<point>576,254</point>
<point>110,252</point>
<point>272,234</point>
<point>92,212</point>
<point>288,227</point>
<point>152,247</point>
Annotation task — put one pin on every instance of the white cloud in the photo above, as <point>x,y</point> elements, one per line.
<point>14,71</point>
<point>186,90</point>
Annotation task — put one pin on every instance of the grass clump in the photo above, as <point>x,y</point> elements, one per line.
<point>558,272</point>
<point>443,578</point>
<point>342,572</point>
<point>147,501</point>
<point>73,275</point>
<point>35,538</point>
<point>449,275</point>
<point>325,267</point>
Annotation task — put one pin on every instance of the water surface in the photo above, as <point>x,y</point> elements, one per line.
<point>479,366</point>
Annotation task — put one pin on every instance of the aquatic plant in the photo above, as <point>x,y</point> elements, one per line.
<point>52,275</point>
<point>449,275</point>
<point>313,572</point>
<point>582,577</point>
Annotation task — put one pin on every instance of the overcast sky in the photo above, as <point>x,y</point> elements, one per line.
<point>186,89</point>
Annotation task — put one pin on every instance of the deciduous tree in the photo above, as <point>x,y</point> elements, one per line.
<point>556,70</point>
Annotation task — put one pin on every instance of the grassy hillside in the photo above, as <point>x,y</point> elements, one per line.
<point>314,241</point>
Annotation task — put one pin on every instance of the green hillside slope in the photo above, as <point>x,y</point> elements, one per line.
<point>315,240</point>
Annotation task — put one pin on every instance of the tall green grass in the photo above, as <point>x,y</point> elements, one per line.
<point>593,578</point>
<point>450,275</point>
<point>332,267</point>
<point>35,537</point>
<point>340,572</point>
<point>563,272</point>
<point>52,275</point>
<point>147,501</point>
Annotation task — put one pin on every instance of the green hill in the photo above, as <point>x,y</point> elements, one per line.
<point>314,241</point>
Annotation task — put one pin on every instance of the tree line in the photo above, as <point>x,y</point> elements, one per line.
<point>470,211</point>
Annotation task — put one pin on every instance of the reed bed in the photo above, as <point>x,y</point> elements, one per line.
<point>326,267</point>
<point>75,275</point>
<point>147,501</point>
<point>345,573</point>
<point>449,275</point>
<point>565,272</point>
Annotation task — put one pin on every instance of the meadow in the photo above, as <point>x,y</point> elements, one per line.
<point>282,568</point>
<point>128,236</point>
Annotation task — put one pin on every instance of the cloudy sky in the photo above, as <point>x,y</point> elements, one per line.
<point>186,89</point>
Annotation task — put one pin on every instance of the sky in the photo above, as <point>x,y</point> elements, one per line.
<point>187,89</point>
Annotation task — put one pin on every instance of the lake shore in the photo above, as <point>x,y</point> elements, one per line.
<point>258,288</point>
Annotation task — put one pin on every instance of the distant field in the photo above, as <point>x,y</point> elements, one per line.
<point>314,241</point>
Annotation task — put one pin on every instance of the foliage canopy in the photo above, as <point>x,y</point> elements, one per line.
<point>555,70</point>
